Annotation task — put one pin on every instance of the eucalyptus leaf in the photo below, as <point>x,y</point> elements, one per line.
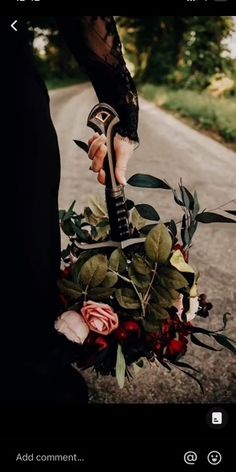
<point>61,214</point>
<point>147,181</point>
<point>158,244</point>
<point>147,228</point>
<point>147,212</point>
<point>187,198</point>
<point>129,204</point>
<point>120,367</point>
<point>81,235</point>
<point>93,271</point>
<point>196,206</point>
<point>231,212</point>
<point>208,217</point>
<point>67,227</point>
<point>69,212</point>
<point>171,225</point>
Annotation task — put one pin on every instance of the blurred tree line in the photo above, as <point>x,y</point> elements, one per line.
<point>178,51</point>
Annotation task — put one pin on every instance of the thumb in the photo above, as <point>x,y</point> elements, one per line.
<point>120,170</point>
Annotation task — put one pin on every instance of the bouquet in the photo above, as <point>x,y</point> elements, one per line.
<point>123,307</point>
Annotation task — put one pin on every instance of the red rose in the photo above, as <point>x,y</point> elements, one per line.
<point>177,347</point>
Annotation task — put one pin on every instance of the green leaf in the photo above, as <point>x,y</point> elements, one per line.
<point>147,228</point>
<point>137,220</point>
<point>151,327</point>
<point>196,206</point>
<point>110,280</point>
<point>99,294</point>
<point>192,228</point>
<point>163,296</point>
<point>83,257</point>
<point>176,198</point>
<point>147,212</point>
<point>93,271</point>
<point>79,232</point>
<point>158,244</point>
<point>120,367</point>
<point>69,212</point>
<point>171,278</point>
<point>61,214</point>
<point>127,298</point>
<point>157,313</point>
<point>177,261</point>
<point>172,228</point>
<point>70,289</point>
<point>65,252</point>
<point>208,217</point>
<point>118,261</point>
<point>141,281</point>
<point>231,212</point>
<point>187,198</point>
<point>129,204</point>
<point>223,340</point>
<point>98,207</point>
<point>147,181</point>
<point>67,228</point>
<point>140,265</point>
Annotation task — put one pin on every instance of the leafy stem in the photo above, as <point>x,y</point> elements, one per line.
<point>150,285</point>
<point>126,279</point>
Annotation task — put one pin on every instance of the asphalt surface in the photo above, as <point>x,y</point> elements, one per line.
<point>170,150</point>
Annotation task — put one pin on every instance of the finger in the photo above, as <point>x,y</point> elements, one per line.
<point>102,177</point>
<point>98,160</point>
<point>121,167</point>
<point>96,135</point>
<point>93,149</point>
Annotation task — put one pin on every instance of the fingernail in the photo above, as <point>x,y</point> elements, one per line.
<point>124,181</point>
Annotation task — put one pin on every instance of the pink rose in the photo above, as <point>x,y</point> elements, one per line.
<point>99,317</point>
<point>73,326</point>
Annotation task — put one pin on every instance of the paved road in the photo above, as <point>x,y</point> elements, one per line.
<point>169,149</point>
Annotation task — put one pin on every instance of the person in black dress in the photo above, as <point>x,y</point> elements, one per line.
<point>36,365</point>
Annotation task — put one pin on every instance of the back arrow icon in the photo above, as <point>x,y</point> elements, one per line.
<point>13,25</point>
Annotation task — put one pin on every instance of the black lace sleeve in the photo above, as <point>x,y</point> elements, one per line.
<point>95,43</point>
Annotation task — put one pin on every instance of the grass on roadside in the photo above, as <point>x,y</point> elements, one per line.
<point>215,114</point>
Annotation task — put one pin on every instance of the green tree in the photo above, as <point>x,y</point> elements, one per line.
<point>184,51</point>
